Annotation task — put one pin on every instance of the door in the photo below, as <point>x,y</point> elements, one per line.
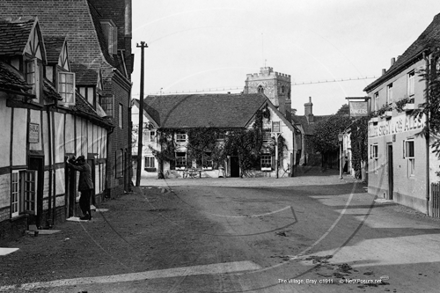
<point>390,172</point>
<point>70,179</point>
<point>235,167</point>
<point>33,189</point>
<point>91,162</point>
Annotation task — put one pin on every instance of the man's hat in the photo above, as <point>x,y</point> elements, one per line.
<point>81,159</point>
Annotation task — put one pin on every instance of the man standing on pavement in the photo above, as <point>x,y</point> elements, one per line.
<point>85,185</point>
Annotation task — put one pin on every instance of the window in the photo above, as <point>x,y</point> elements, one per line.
<point>376,102</point>
<point>152,136</point>
<point>120,116</point>
<point>149,162</point>
<point>389,93</point>
<point>411,80</point>
<point>15,193</point>
<point>66,87</point>
<point>23,192</point>
<point>207,162</point>
<point>260,89</point>
<point>181,137</point>
<point>89,94</point>
<point>107,104</point>
<point>267,135</point>
<point>374,155</point>
<point>266,162</point>
<point>408,153</point>
<point>221,135</point>
<point>32,77</point>
<point>119,163</point>
<point>276,126</point>
<point>180,160</point>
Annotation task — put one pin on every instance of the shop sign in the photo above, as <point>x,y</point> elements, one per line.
<point>358,108</point>
<point>34,132</point>
<point>397,124</point>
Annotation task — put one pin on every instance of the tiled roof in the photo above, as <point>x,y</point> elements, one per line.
<point>10,78</point>
<point>50,91</point>
<point>54,45</point>
<point>14,34</point>
<point>430,38</point>
<point>85,75</point>
<point>76,19</point>
<point>309,128</point>
<point>86,109</point>
<point>213,110</point>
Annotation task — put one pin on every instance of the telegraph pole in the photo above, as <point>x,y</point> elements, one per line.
<point>143,45</point>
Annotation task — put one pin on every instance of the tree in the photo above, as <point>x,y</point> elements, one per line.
<point>430,109</point>
<point>325,139</point>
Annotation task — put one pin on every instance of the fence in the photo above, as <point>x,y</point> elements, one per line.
<point>435,200</point>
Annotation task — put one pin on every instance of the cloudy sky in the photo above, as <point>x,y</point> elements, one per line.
<point>201,45</point>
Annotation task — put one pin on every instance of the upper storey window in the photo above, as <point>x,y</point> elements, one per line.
<point>66,87</point>
<point>389,93</point>
<point>260,89</point>
<point>33,77</point>
<point>411,83</point>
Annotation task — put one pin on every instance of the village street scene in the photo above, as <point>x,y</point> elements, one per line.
<point>220,147</point>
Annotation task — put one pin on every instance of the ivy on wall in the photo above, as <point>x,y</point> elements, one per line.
<point>246,144</point>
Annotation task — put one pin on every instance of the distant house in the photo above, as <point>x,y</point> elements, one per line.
<point>43,120</point>
<point>306,154</point>
<point>401,166</point>
<point>99,36</point>
<point>178,115</point>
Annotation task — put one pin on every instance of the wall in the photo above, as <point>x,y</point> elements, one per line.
<point>409,190</point>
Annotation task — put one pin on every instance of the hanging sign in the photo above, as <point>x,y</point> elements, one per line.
<point>358,108</point>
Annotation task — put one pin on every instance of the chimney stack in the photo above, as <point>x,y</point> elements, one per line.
<point>393,60</point>
<point>308,107</point>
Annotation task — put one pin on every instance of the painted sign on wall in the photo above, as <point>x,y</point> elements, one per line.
<point>34,132</point>
<point>395,125</point>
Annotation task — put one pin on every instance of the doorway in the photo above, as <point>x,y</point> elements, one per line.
<point>36,164</point>
<point>390,172</point>
<point>235,167</point>
<point>70,179</point>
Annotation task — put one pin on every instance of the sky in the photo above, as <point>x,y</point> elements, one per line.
<point>197,46</point>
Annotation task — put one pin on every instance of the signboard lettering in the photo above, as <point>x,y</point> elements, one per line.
<point>358,108</point>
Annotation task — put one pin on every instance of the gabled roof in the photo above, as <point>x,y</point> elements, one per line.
<point>430,38</point>
<point>54,46</point>
<point>14,35</point>
<point>77,19</point>
<point>203,110</point>
<point>11,79</point>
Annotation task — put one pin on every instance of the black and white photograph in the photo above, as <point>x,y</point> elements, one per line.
<point>219,146</point>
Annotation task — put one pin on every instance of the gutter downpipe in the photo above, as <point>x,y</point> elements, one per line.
<point>50,166</point>
<point>427,136</point>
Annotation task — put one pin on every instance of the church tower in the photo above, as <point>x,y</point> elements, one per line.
<point>276,86</point>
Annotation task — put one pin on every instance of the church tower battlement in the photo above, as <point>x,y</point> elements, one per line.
<point>276,86</point>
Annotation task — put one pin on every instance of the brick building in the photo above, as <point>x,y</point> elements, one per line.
<point>99,38</point>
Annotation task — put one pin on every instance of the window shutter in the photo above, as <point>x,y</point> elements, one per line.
<point>404,149</point>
